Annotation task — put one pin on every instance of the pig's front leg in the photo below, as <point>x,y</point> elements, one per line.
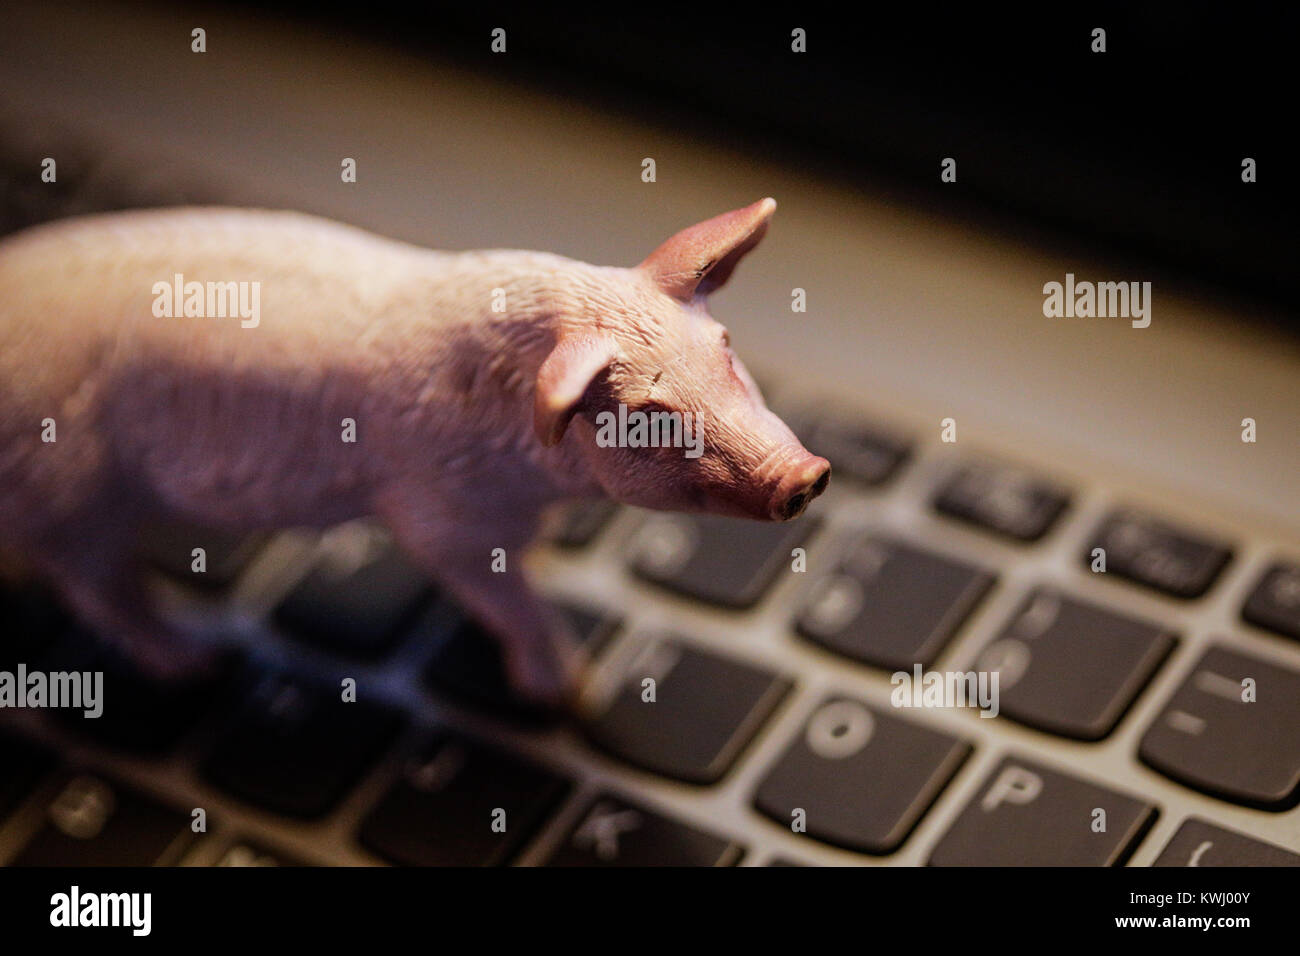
<point>542,657</point>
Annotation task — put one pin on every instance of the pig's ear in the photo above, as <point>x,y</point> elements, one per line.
<point>700,259</point>
<point>564,378</point>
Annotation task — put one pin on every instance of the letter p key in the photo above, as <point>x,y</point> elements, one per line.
<point>1013,785</point>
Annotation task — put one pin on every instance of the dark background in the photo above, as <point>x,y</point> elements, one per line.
<point>1137,150</point>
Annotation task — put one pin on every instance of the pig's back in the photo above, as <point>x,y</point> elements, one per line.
<point>92,279</point>
<point>80,342</point>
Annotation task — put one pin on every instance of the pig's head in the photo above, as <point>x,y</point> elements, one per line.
<point>643,338</point>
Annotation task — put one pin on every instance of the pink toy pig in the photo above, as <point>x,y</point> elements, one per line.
<point>245,369</point>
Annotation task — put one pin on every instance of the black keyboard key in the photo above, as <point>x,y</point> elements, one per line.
<point>31,621</point>
<point>1072,668</point>
<point>1275,602</point>
<point>1232,730</point>
<point>858,451</point>
<point>24,765</point>
<point>576,525</point>
<point>1002,499</point>
<point>1028,815</point>
<point>705,709</point>
<point>139,714</point>
<point>613,832</point>
<point>726,561</point>
<point>170,548</point>
<point>361,597</point>
<point>1198,843</point>
<point>461,804</point>
<point>862,778</point>
<point>891,605</point>
<point>298,750</point>
<point>467,666</point>
<point>1158,555</point>
<point>92,822</point>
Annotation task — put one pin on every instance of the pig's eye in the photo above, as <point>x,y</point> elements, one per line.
<point>661,425</point>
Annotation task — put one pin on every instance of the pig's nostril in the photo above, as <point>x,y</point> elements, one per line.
<point>800,488</point>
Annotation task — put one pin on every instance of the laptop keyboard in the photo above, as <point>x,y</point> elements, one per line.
<point>833,776</point>
<point>1077,668</point>
<point>891,605</point>
<point>1003,826</point>
<point>741,707</point>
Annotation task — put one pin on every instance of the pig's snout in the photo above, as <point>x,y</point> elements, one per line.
<point>800,485</point>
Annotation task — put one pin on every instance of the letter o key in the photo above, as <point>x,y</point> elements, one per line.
<point>1009,657</point>
<point>839,730</point>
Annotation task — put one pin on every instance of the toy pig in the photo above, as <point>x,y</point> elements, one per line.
<point>245,369</point>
